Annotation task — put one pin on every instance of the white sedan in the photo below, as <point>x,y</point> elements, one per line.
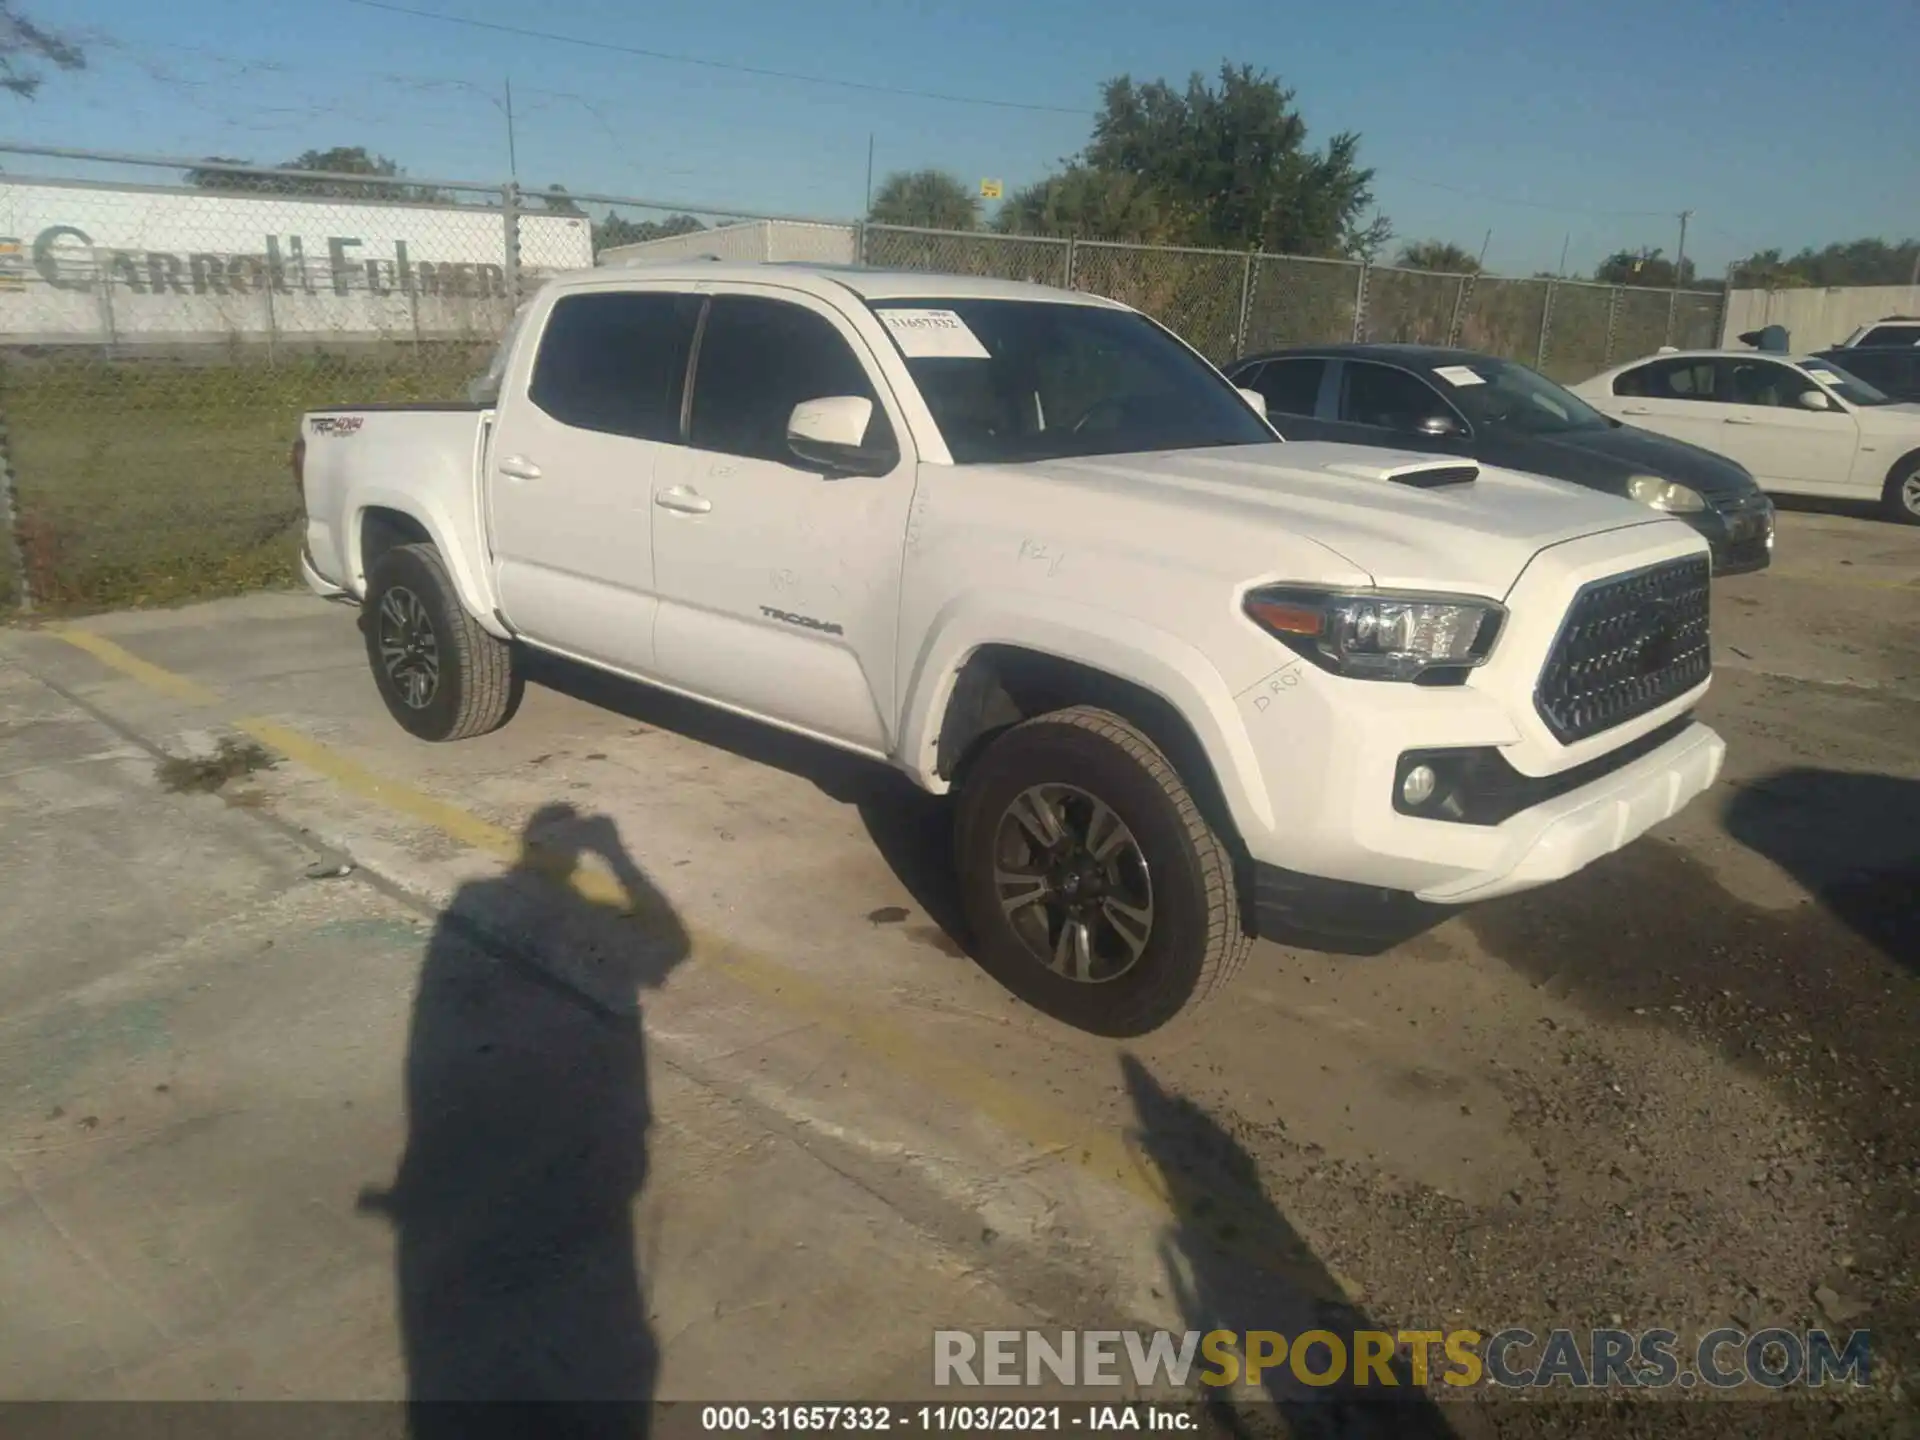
<point>1800,424</point>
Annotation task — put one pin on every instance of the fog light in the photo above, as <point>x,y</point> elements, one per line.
<point>1418,786</point>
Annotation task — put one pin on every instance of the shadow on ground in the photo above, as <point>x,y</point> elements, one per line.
<point>1850,840</point>
<point>527,1118</point>
<point>912,830</point>
<point>1236,1263</point>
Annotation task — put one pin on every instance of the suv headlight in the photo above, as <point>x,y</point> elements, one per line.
<point>1378,634</point>
<point>1668,495</point>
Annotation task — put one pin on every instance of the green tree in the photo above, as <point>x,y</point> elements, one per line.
<point>341,160</point>
<point>1645,267</point>
<point>556,201</point>
<point>1085,203</point>
<point>25,47</point>
<point>1231,166</point>
<point>1854,262</point>
<point>618,230</point>
<point>931,199</point>
<point>1437,255</point>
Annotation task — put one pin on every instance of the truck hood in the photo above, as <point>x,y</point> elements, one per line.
<point>1357,501</point>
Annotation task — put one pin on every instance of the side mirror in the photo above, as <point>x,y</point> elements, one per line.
<point>829,433</point>
<point>1255,399</point>
<point>1439,425</point>
<point>1814,400</point>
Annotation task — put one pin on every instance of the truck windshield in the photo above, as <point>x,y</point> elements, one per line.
<point>1014,380</point>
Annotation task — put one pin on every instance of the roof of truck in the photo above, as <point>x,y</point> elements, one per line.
<point>868,284</point>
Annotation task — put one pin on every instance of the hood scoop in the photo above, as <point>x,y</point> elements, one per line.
<point>1421,475</point>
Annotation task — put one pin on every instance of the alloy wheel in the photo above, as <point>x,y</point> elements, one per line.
<point>409,650</point>
<point>1073,883</point>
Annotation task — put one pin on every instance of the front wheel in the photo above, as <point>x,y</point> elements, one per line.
<point>1902,498</point>
<point>1095,889</point>
<point>441,675</point>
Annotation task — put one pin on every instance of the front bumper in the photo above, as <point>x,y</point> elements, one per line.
<point>1740,534</point>
<point>1535,847</point>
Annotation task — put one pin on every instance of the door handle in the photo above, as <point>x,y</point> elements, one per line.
<point>1736,420</point>
<point>686,501</point>
<point>1635,410</point>
<point>518,467</point>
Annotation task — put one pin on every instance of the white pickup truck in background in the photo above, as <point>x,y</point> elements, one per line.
<point>1023,544</point>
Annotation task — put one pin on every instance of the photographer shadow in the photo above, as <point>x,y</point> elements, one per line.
<point>1236,1263</point>
<point>527,1116</point>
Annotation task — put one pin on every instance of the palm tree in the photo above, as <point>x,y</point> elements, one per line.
<point>932,199</point>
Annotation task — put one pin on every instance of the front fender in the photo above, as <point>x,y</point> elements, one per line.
<point>1119,646</point>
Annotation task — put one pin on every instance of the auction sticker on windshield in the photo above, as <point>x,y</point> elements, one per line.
<point>933,335</point>
<point>1458,375</point>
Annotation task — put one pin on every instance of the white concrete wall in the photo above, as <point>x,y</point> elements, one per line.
<point>1816,319</point>
<point>749,241</point>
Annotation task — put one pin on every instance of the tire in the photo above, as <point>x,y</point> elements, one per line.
<point>454,680</point>
<point>1071,761</point>
<point>1901,499</point>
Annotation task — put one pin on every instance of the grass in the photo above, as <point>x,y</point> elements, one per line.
<point>154,481</point>
<point>204,774</point>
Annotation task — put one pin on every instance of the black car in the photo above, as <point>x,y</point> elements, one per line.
<point>1457,402</point>
<point>1894,370</point>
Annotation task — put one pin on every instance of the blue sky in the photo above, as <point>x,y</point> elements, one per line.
<point>1776,123</point>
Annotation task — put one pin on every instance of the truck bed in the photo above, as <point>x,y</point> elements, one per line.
<point>416,458</point>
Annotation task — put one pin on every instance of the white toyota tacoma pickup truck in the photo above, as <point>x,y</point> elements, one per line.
<point>1189,683</point>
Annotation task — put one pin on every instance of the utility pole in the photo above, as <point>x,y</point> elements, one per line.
<point>1563,254</point>
<point>869,207</point>
<point>513,159</point>
<point>1481,263</point>
<point>1679,264</point>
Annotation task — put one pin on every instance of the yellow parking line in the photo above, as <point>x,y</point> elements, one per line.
<point>175,687</point>
<point>1103,1152</point>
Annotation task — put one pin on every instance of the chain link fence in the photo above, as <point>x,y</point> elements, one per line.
<point>163,324</point>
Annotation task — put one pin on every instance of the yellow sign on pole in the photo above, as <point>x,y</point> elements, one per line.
<point>989,189</point>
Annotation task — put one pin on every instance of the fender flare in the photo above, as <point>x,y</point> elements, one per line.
<point>1122,647</point>
<point>472,584</point>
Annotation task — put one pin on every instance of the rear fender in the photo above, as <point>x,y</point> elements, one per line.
<point>460,544</point>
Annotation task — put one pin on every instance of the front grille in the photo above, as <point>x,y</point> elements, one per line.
<point>1629,644</point>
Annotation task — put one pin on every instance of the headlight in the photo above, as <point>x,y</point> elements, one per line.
<point>1376,634</point>
<point>1665,495</point>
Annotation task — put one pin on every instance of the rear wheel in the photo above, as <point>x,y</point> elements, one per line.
<point>1094,887</point>
<point>441,676</point>
<point>1902,498</point>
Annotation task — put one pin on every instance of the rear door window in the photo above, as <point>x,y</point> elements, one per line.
<point>616,362</point>
<point>1691,379</point>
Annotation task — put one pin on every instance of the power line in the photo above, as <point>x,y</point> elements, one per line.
<point>1485,198</point>
<point>614,48</point>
